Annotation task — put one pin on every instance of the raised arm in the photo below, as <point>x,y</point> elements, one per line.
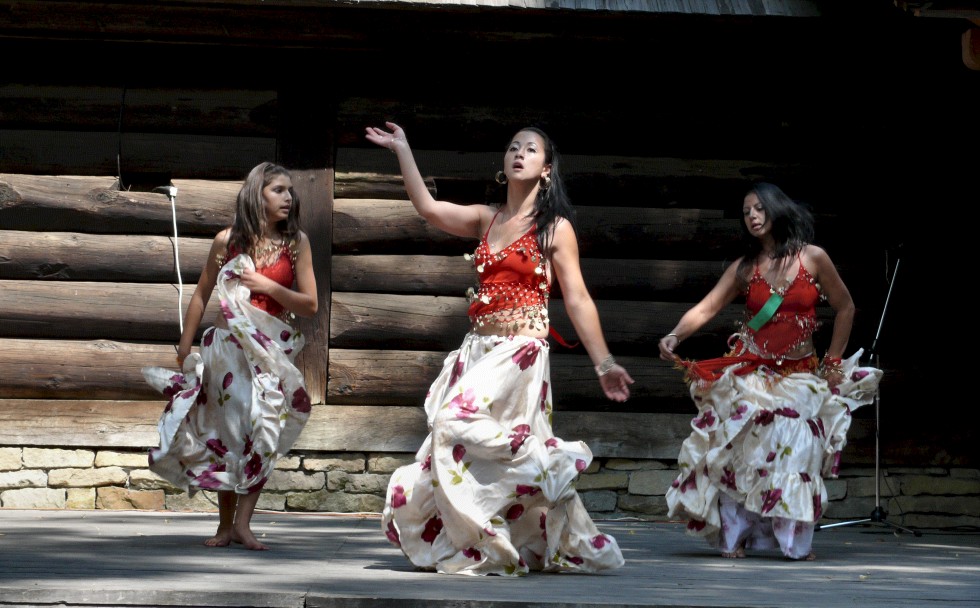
<point>582,311</point>
<point>720,296</point>
<point>459,220</point>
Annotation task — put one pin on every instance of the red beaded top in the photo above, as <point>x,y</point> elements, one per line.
<point>794,321</point>
<point>280,268</point>
<point>514,287</point>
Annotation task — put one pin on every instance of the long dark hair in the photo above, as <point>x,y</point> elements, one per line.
<point>552,200</point>
<point>249,224</point>
<point>791,226</point>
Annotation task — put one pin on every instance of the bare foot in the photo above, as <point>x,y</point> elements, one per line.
<point>221,538</point>
<point>737,553</point>
<point>246,538</point>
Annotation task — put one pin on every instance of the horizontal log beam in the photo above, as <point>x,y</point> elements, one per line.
<point>83,423</point>
<point>337,428</point>
<point>185,156</point>
<point>203,111</point>
<point>367,226</point>
<point>114,311</point>
<point>96,205</point>
<point>452,275</point>
<point>402,377</point>
<point>76,256</point>
<point>368,184</point>
<point>148,312</point>
<point>78,369</point>
<point>376,321</point>
<point>455,164</point>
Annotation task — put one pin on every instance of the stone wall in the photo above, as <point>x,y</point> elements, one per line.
<point>55,478</point>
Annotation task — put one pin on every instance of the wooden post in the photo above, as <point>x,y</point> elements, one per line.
<point>307,147</point>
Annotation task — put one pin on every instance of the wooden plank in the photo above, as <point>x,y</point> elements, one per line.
<point>402,377</point>
<point>314,187</point>
<point>113,311</point>
<point>85,423</point>
<point>334,428</point>
<point>452,275</point>
<point>373,185</point>
<point>105,369</point>
<point>397,321</point>
<point>75,369</point>
<point>376,321</point>
<point>465,164</point>
<point>96,205</point>
<point>214,111</point>
<point>98,153</point>
<point>76,256</point>
<point>330,428</point>
<point>418,274</point>
<point>371,226</point>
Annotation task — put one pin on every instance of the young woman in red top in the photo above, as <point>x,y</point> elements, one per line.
<point>772,417</point>
<point>240,403</point>
<point>491,491</point>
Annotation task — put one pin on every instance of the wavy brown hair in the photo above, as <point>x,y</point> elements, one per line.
<point>250,222</point>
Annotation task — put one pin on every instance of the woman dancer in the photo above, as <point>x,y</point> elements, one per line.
<point>492,489</point>
<point>772,417</point>
<point>241,402</point>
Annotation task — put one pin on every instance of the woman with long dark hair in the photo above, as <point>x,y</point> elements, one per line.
<point>772,416</point>
<point>492,489</point>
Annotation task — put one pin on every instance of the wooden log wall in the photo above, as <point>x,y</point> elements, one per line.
<point>92,298</point>
<point>88,282</point>
<point>91,301</point>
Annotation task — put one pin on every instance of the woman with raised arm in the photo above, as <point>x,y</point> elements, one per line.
<point>492,489</point>
<point>239,404</point>
<point>772,416</point>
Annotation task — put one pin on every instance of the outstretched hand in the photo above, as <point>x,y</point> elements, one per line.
<point>616,383</point>
<point>386,139</point>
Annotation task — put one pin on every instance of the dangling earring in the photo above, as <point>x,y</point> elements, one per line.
<point>545,182</point>
<point>500,178</point>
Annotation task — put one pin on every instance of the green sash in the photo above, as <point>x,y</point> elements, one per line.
<point>766,312</point>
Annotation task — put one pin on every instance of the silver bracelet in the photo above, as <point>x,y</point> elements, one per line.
<point>605,366</point>
<point>672,334</point>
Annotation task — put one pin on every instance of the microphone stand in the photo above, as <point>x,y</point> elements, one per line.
<point>878,514</point>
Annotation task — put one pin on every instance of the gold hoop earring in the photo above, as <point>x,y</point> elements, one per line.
<point>545,182</point>
<point>500,178</point>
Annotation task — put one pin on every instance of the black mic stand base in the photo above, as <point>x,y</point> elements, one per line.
<point>878,516</point>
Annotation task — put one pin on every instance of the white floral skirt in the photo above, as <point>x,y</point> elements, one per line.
<point>492,489</point>
<point>235,407</point>
<point>766,441</point>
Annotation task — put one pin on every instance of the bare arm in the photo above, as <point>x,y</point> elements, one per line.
<point>582,311</point>
<point>301,301</point>
<point>720,296</point>
<point>202,293</point>
<point>459,220</point>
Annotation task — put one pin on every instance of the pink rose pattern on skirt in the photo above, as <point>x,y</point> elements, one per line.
<point>761,445</point>
<point>235,407</point>
<point>492,489</point>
